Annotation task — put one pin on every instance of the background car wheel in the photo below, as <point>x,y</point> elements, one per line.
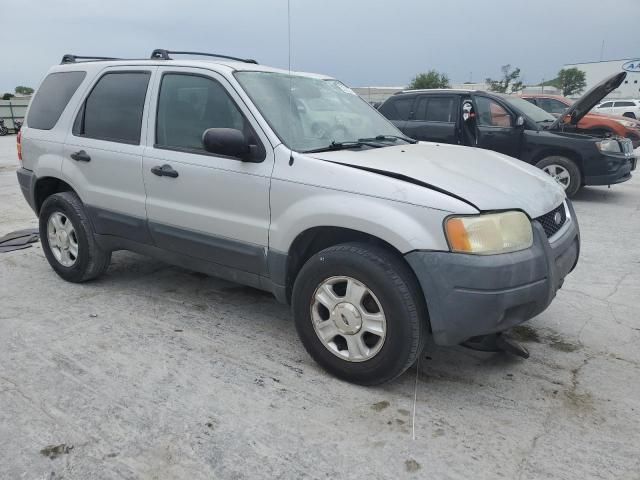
<point>67,239</point>
<point>564,171</point>
<point>360,313</point>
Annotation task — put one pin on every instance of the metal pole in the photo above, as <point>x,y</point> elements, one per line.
<point>13,120</point>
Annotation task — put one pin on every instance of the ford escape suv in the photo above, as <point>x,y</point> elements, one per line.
<point>291,183</point>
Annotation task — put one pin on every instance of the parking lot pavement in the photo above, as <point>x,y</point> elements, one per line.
<point>156,372</point>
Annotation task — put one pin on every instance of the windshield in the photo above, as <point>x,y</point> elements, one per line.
<point>535,113</point>
<point>319,113</point>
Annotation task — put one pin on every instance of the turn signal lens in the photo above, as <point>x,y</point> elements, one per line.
<point>489,234</point>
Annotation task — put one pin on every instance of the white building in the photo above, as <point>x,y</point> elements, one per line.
<point>596,71</point>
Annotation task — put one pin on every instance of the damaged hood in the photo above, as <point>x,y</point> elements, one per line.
<point>485,179</point>
<point>590,99</point>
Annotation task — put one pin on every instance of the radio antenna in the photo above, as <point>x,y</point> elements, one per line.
<point>290,78</point>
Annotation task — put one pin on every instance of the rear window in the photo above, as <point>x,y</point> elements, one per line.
<point>113,110</point>
<point>52,97</point>
<point>625,104</point>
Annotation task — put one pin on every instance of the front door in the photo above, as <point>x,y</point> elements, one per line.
<point>496,128</point>
<point>205,206</point>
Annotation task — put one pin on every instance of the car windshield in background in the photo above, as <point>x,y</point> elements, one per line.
<point>535,113</point>
<point>319,113</point>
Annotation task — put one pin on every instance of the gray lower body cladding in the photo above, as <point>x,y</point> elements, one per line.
<point>27,182</point>
<point>472,295</point>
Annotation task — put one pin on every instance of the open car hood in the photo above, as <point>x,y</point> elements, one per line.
<point>485,179</point>
<point>590,99</point>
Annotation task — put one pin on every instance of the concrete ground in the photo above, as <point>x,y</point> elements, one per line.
<point>155,372</point>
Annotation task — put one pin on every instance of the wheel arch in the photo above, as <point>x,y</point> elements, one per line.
<point>315,239</point>
<point>46,186</point>
<point>562,152</point>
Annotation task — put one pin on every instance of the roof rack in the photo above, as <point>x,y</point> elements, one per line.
<point>161,54</point>
<point>68,58</point>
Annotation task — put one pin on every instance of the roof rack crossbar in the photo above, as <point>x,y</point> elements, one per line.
<point>69,58</point>
<point>161,54</point>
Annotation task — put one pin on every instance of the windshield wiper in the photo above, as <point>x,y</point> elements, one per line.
<point>389,138</point>
<point>546,120</point>
<point>345,146</point>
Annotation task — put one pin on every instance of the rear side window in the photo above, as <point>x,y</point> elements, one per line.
<point>625,104</point>
<point>440,109</point>
<point>113,110</point>
<point>397,109</point>
<point>52,97</point>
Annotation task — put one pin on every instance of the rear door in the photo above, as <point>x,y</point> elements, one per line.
<point>434,119</point>
<point>212,207</point>
<point>103,152</point>
<point>496,127</point>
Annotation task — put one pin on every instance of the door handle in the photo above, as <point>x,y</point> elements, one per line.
<point>80,156</point>
<point>164,171</point>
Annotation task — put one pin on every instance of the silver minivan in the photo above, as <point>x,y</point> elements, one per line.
<point>289,182</point>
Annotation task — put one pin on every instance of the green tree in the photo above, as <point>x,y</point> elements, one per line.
<point>571,81</point>
<point>431,79</point>
<point>20,90</point>
<point>7,96</point>
<point>509,82</point>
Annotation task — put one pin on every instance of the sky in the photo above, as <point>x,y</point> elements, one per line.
<point>361,42</point>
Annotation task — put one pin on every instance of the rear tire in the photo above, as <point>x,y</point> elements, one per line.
<point>564,171</point>
<point>67,239</point>
<point>629,115</point>
<point>377,336</point>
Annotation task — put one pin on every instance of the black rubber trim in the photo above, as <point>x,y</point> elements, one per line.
<point>122,225</point>
<point>224,251</point>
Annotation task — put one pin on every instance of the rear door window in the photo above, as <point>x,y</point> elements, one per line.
<point>52,98</point>
<point>397,109</point>
<point>435,109</point>
<point>551,105</point>
<point>625,104</point>
<point>113,110</point>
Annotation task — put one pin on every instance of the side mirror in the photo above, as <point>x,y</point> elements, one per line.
<point>520,121</point>
<point>229,142</point>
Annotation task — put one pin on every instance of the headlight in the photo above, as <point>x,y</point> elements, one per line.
<point>627,123</point>
<point>609,146</point>
<point>489,234</point>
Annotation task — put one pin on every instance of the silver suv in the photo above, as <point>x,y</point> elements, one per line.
<point>290,183</point>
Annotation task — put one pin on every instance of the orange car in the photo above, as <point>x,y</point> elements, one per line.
<point>594,122</point>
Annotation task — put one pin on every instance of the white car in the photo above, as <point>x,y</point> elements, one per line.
<point>626,108</point>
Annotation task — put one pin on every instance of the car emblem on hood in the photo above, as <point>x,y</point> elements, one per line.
<point>557,218</point>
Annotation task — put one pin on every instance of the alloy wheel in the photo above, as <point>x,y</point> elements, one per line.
<point>348,319</point>
<point>62,238</point>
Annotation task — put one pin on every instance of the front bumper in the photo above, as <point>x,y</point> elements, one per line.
<point>617,167</point>
<point>471,295</point>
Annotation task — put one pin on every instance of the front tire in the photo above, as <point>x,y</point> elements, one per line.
<point>360,313</point>
<point>67,239</point>
<point>564,171</point>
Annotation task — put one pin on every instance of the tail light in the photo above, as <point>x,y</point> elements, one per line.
<point>19,145</point>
